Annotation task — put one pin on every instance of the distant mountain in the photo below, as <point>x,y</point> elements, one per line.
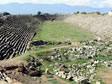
<point>29,8</point>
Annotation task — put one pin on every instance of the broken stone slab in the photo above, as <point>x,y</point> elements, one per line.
<point>47,71</point>
<point>35,73</point>
<point>97,82</point>
<point>69,77</point>
<point>83,80</point>
<point>57,73</point>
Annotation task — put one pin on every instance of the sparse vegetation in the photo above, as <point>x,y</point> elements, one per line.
<point>83,12</point>
<point>98,13</point>
<point>39,13</point>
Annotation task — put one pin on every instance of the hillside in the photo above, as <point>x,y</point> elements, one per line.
<point>100,25</point>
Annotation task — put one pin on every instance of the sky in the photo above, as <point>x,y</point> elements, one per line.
<point>90,3</point>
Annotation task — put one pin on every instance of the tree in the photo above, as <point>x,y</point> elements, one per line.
<point>98,13</point>
<point>78,12</point>
<point>39,13</point>
<point>6,13</point>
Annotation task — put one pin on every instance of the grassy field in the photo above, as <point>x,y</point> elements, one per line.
<point>61,31</point>
<point>55,31</point>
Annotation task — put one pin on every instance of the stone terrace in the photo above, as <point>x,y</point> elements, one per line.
<point>15,33</point>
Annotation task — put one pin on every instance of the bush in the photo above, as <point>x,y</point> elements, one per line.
<point>6,13</point>
<point>98,13</point>
<point>39,13</point>
<point>84,13</point>
<point>77,12</point>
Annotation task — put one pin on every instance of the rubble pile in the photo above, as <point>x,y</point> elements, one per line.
<point>90,55</point>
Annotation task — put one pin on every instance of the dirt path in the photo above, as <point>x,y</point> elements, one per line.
<point>44,78</point>
<point>10,81</point>
<point>11,62</point>
<point>60,80</point>
<point>65,46</point>
<point>59,47</point>
<point>106,75</point>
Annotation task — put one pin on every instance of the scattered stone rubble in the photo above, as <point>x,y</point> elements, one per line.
<point>30,69</point>
<point>82,73</point>
<point>86,50</point>
<point>3,77</point>
<point>78,72</point>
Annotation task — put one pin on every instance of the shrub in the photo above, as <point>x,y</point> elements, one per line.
<point>98,13</point>
<point>39,13</point>
<point>84,13</point>
<point>6,13</point>
<point>77,12</point>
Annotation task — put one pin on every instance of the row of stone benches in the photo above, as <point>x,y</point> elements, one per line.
<point>15,34</point>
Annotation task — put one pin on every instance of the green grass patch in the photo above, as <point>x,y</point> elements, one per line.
<point>37,51</point>
<point>53,81</point>
<point>49,75</point>
<point>61,31</point>
<point>102,82</point>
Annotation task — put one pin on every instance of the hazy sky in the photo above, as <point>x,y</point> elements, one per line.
<point>92,3</point>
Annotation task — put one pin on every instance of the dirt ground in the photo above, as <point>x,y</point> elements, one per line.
<point>15,77</point>
<point>106,75</point>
